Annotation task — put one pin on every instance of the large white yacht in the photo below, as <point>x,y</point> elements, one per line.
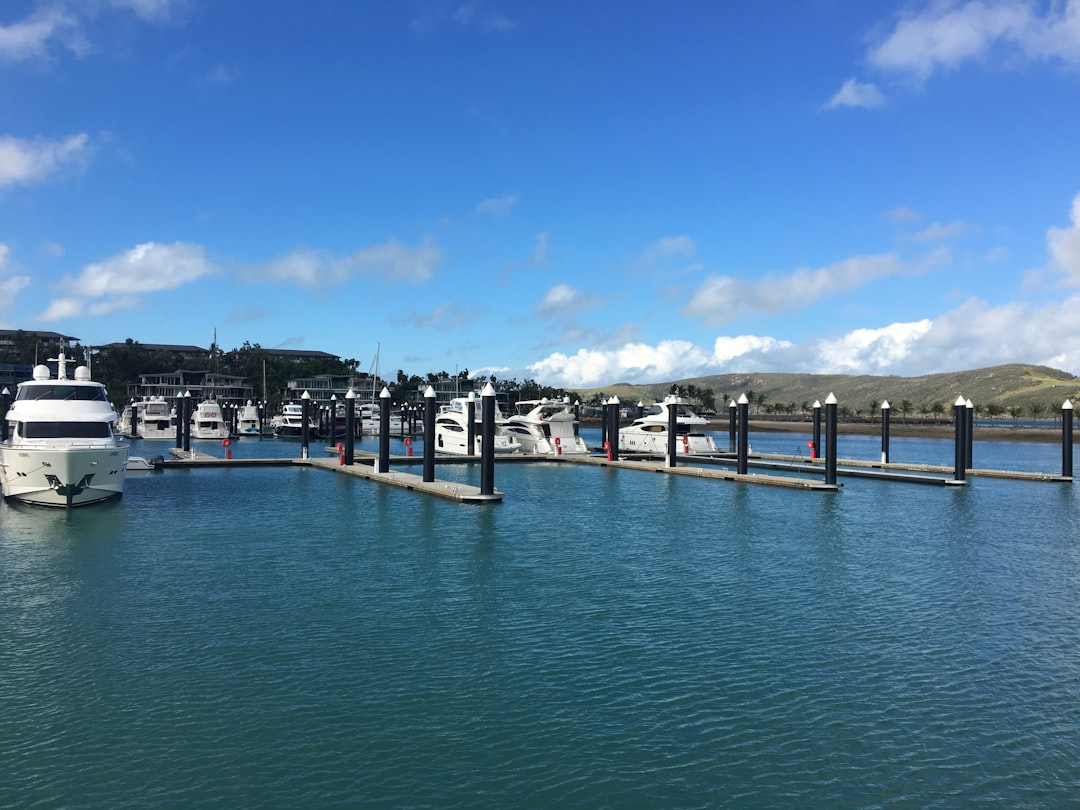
<point>62,450</point>
<point>649,432</point>
<point>207,422</point>
<point>452,430</point>
<point>546,426</point>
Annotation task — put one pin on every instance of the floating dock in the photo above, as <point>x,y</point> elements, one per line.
<point>451,490</point>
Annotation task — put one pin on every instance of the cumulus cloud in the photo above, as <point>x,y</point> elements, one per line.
<point>497,206</point>
<point>389,262</point>
<point>116,283</point>
<point>855,94</point>
<point>722,299</point>
<point>1064,244</point>
<point>943,35</point>
<point>632,362</point>
<point>972,335</point>
<point>28,161</point>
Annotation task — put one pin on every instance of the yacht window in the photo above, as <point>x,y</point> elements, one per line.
<point>654,428</point>
<point>64,430</point>
<point>62,391</point>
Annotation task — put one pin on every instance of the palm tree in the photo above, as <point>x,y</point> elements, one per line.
<point>906,407</point>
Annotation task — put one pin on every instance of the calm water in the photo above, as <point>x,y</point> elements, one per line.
<point>602,638</point>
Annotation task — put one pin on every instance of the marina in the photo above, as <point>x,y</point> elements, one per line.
<point>604,637</point>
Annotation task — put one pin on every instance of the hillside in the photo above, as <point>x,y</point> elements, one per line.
<point>1008,385</point>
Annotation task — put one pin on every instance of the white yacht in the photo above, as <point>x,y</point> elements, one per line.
<point>290,424</point>
<point>62,450</point>
<point>247,422</point>
<point>547,427</point>
<point>207,422</point>
<point>369,414</point>
<point>649,432</point>
<point>156,419</point>
<point>452,426</point>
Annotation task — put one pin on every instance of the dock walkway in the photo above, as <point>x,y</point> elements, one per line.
<point>451,490</point>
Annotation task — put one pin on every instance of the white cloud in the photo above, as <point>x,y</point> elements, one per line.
<point>116,283</point>
<point>936,232</point>
<point>539,253</point>
<point>728,349</point>
<point>942,35</point>
<point>9,287</point>
<point>28,39</point>
<point>722,299</point>
<point>855,94</point>
<point>148,10</point>
<point>65,23</point>
<point>870,351</point>
<point>148,267</point>
<point>632,362</point>
<point>1064,244</point>
<point>388,262</point>
<point>27,161</point>
<point>563,302</point>
<point>445,317</point>
<point>903,213</point>
<point>220,75</point>
<point>678,246</point>
<point>497,206</point>
<point>974,335</point>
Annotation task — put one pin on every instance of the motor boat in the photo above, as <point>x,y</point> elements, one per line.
<point>156,419</point>
<point>452,430</point>
<point>546,426</point>
<point>369,414</point>
<point>649,432</point>
<point>290,424</point>
<point>62,450</point>
<point>207,422</point>
<point>248,422</point>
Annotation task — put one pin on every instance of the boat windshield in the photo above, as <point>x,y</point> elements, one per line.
<point>64,430</point>
<point>61,391</point>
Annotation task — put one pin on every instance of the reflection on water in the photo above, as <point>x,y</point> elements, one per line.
<point>602,637</point>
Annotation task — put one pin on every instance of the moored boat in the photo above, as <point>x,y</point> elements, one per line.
<point>207,422</point>
<point>452,430</point>
<point>290,423</point>
<point>248,422</point>
<point>649,432</point>
<point>62,450</point>
<point>547,427</point>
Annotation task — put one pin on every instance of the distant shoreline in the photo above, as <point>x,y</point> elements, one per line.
<point>1003,432</point>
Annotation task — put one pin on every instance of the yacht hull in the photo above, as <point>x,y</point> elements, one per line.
<point>62,477</point>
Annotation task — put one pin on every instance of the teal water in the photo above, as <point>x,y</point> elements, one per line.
<point>602,638</point>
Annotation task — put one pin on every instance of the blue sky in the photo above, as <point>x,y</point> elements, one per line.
<point>581,193</point>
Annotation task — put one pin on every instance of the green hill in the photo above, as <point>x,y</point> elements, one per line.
<point>1005,386</point>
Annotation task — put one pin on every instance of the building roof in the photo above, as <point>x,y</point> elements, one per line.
<point>159,347</point>
<point>300,353</point>
<point>10,333</point>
